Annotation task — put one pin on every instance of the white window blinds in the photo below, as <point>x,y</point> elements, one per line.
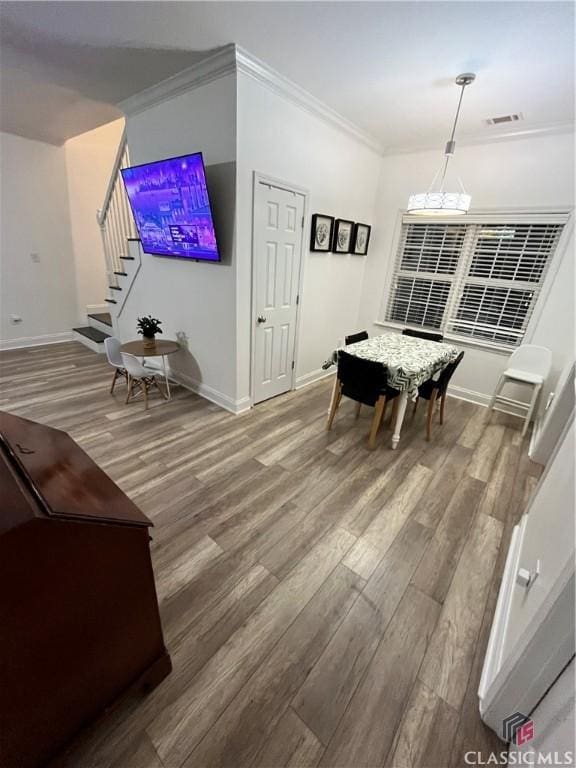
<point>478,279</point>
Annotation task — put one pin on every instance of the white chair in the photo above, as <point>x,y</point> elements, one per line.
<point>529,364</point>
<point>112,347</point>
<point>140,377</point>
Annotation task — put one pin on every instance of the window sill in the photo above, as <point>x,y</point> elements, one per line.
<point>463,341</point>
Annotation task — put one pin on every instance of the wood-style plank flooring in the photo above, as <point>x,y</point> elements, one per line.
<point>323,605</point>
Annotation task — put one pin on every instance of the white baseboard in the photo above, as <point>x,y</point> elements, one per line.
<point>209,393</point>
<point>36,341</point>
<point>479,398</point>
<point>311,378</point>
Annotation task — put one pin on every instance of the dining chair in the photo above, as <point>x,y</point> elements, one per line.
<point>364,381</point>
<point>140,377</point>
<point>432,389</point>
<point>353,338</point>
<point>529,364</point>
<point>423,334</point>
<point>114,357</point>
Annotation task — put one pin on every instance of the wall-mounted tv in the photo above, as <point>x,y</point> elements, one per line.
<point>170,203</point>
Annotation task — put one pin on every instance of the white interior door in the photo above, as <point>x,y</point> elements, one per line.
<point>278,224</point>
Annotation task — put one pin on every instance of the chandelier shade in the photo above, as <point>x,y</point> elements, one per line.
<point>436,201</point>
<point>439,203</point>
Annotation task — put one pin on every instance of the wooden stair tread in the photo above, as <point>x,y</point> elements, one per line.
<point>92,333</point>
<point>102,317</point>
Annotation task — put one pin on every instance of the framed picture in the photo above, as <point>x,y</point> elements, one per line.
<point>361,239</point>
<point>343,231</point>
<point>321,233</point>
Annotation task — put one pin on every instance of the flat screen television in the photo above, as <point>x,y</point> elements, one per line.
<point>171,207</point>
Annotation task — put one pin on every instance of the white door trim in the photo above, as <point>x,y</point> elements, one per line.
<point>267,180</point>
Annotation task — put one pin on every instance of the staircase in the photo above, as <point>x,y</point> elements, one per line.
<point>121,252</point>
<point>92,335</point>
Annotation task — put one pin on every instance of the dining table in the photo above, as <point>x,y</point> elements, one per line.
<point>409,361</point>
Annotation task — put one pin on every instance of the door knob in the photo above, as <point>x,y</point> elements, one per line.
<point>261,319</point>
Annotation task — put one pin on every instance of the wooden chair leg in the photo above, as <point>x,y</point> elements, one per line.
<point>358,408</point>
<point>114,380</point>
<point>144,385</point>
<point>376,421</point>
<point>415,407</point>
<point>442,404</point>
<point>129,389</point>
<point>335,402</point>
<point>430,415</point>
<point>159,388</point>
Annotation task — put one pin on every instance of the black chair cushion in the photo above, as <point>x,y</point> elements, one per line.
<point>425,390</point>
<point>355,337</point>
<point>423,335</point>
<point>362,380</point>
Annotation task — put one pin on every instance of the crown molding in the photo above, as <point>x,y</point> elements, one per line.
<point>213,67</point>
<point>232,58</point>
<point>264,74</point>
<point>227,60</point>
<point>552,129</point>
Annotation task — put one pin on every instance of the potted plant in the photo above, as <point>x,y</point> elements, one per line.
<point>149,327</point>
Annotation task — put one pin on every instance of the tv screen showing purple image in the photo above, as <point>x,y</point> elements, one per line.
<point>170,203</point>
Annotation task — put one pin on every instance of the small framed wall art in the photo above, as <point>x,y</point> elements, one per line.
<point>360,239</point>
<point>343,231</point>
<point>321,233</point>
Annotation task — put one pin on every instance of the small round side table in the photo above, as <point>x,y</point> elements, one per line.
<point>162,348</point>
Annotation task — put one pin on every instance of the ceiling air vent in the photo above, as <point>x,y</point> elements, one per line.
<point>505,119</point>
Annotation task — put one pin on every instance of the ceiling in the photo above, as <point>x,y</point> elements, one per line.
<point>386,66</point>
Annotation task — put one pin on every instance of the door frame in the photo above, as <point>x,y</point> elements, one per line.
<point>272,181</point>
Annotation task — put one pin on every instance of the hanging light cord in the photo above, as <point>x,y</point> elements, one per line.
<point>450,146</point>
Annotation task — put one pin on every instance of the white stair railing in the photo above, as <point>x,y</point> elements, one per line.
<point>115,217</point>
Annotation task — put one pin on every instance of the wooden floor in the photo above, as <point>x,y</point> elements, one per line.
<point>322,604</point>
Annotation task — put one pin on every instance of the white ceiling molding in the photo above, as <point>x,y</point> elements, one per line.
<point>489,137</point>
<point>213,67</point>
<point>269,77</point>
<point>232,58</point>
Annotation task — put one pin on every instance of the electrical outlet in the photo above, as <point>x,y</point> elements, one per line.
<point>35,257</point>
<point>15,319</point>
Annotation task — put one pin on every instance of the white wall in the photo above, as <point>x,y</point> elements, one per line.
<point>34,218</point>
<point>89,160</point>
<point>553,725</point>
<point>535,173</point>
<point>280,139</point>
<point>195,301</point>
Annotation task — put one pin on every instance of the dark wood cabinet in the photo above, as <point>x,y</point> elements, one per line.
<point>79,620</point>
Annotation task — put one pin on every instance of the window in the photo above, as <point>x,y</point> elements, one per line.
<point>478,279</point>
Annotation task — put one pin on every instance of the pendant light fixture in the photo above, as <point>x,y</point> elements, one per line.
<point>436,201</point>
